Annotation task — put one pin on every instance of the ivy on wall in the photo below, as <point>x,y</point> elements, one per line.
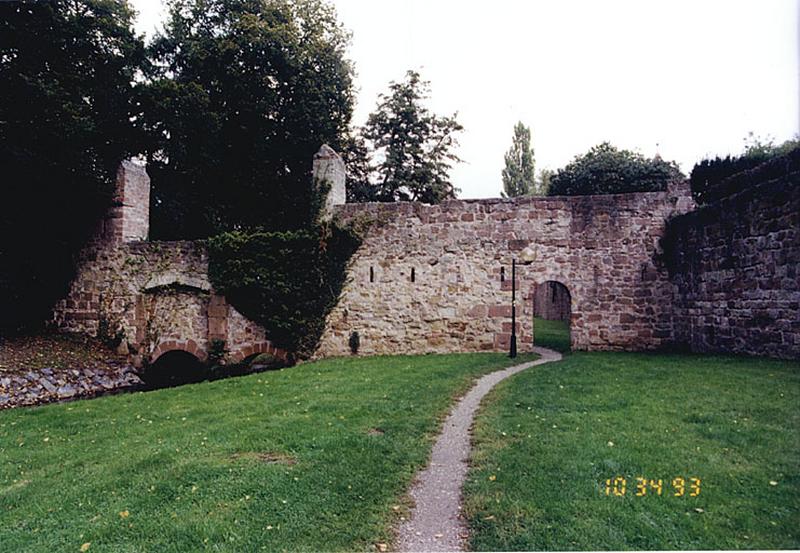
<point>286,281</point>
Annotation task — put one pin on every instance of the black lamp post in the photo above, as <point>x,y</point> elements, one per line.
<point>513,353</point>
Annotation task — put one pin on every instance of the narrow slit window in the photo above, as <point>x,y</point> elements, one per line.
<point>502,274</point>
<point>371,274</point>
<point>413,275</point>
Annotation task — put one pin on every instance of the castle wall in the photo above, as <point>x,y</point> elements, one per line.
<point>157,294</point>
<point>736,266</point>
<point>603,248</point>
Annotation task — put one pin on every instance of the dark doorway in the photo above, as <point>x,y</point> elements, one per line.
<point>174,368</point>
<point>552,311</point>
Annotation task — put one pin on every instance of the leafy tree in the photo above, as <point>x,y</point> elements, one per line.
<point>415,145</point>
<point>66,69</point>
<point>242,94</point>
<point>519,174</point>
<point>605,169</point>
<point>356,156</point>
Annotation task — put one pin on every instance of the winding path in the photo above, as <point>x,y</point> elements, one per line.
<point>436,523</point>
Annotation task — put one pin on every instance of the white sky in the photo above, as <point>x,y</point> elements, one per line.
<point>691,76</point>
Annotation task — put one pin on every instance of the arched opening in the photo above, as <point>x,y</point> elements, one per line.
<point>174,368</point>
<point>552,312</point>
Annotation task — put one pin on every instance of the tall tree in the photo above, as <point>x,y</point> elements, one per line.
<point>416,146</point>
<point>66,68</point>
<point>243,94</point>
<point>605,169</point>
<point>518,174</point>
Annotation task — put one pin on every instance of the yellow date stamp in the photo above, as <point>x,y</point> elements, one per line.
<point>640,486</point>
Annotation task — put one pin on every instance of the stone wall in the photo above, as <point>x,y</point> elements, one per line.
<point>152,297</point>
<point>427,278</point>
<point>736,266</point>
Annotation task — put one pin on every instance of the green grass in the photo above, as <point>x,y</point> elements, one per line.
<point>551,334</point>
<point>548,438</point>
<point>308,458</point>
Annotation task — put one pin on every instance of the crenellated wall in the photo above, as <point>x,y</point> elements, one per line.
<point>438,278</point>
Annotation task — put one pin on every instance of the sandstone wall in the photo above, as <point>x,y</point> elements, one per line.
<point>736,266</point>
<point>427,278</point>
<point>157,294</point>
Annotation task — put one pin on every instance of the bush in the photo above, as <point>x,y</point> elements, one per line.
<point>708,175</point>
<point>286,281</point>
<point>607,170</point>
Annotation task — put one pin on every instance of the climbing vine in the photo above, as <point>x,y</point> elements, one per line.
<point>286,281</point>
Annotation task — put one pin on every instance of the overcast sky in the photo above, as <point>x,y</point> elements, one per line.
<point>686,78</point>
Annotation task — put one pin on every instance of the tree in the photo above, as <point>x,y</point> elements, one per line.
<point>605,169</point>
<point>242,94</point>
<point>415,145</point>
<point>66,69</point>
<point>356,156</point>
<point>543,183</point>
<point>518,174</point>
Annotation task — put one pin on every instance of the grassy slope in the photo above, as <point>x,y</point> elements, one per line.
<point>159,471</point>
<point>733,422</point>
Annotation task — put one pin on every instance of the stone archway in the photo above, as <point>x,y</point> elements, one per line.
<point>552,315</point>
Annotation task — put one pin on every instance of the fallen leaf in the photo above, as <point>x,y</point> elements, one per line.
<point>492,478</point>
<point>610,444</point>
<point>381,546</point>
<point>124,514</point>
<point>85,546</point>
<point>773,483</point>
<point>490,517</point>
<point>699,510</point>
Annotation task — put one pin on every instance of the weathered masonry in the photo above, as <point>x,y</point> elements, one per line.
<point>438,278</point>
<point>151,297</point>
<point>630,272</point>
<point>736,266</point>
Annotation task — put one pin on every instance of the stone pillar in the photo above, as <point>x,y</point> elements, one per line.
<point>128,220</point>
<point>328,169</point>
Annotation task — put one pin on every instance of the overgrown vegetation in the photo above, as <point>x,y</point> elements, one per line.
<point>280,461</point>
<point>549,438</point>
<point>241,95</point>
<point>709,173</point>
<point>605,169</point>
<point>286,281</point>
<point>66,70</point>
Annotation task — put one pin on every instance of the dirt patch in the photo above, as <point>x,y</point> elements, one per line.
<point>54,351</point>
<point>376,432</point>
<point>268,457</point>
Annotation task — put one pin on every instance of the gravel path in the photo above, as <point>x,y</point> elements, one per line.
<point>436,523</point>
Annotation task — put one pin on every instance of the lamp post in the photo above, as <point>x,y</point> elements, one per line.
<point>513,353</point>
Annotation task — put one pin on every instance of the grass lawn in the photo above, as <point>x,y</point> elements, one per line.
<point>551,334</point>
<point>309,458</point>
<point>549,438</point>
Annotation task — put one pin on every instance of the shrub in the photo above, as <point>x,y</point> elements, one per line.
<point>708,175</point>
<point>354,342</point>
